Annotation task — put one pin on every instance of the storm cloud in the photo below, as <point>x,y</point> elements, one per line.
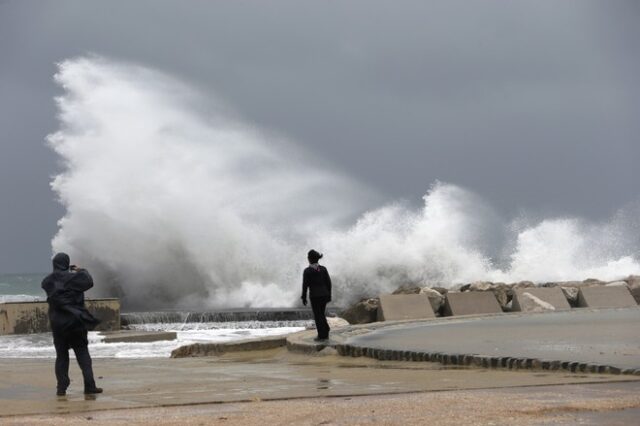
<point>532,105</point>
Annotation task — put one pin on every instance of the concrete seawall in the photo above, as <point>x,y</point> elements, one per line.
<point>32,317</point>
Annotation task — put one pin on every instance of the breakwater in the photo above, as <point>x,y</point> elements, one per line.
<point>220,316</point>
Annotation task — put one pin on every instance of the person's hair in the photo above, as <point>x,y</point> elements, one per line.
<point>314,256</point>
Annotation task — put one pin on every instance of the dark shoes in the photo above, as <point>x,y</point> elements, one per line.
<point>86,391</point>
<point>62,387</point>
<point>317,339</point>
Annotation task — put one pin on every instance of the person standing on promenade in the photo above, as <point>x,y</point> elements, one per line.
<point>70,320</point>
<point>316,279</point>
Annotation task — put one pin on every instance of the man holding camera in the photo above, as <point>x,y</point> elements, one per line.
<point>70,320</point>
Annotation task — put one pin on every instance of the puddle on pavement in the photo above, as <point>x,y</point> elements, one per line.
<point>324,384</point>
<point>282,356</point>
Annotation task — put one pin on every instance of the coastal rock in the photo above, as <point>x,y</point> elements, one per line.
<point>592,282</point>
<point>502,293</point>
<point>633,281</point>
<point>465,287</point>
<point>523,284</point>
<point>407,289</point>
<point>335,322</point>
<point>443,290</point>
<point>435,298</point>
<point>571,293</point>
<point>363,312</point>
<point>480,286</point>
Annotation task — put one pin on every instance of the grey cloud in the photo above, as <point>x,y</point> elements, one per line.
<point>534,104</point>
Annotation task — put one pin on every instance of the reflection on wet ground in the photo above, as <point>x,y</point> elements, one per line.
<point>626,417</point>
<point>28,386</point>
<point>324,384</point>
<point>598,336</point>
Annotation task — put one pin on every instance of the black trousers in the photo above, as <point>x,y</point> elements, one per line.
<point>319,304</point>
<point>76,340</point>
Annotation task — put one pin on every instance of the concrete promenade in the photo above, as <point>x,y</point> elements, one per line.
<point>592,337</point>
<point>278,386</point>
<point>137,390</point>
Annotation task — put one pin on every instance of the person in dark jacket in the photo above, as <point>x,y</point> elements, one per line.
<point>70,320</point>
<point>316,279</point>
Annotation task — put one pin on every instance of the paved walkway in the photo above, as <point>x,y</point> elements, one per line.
<point>611,404</point>
<point>28,386</point>
<point>599,337</point>
<point>168,391</point>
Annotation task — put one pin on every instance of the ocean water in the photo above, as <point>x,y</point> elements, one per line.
<point>26,287</point>
<point>41,345</point>
<point>21,287</point>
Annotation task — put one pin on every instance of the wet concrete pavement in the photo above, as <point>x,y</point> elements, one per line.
<point>280,387</point>
<point>28,386</point>
<point>604,336</point>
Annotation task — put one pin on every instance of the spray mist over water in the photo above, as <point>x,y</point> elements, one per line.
<point>171,201</point>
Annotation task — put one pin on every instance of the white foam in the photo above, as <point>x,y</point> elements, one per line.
<point>41,345</point>
<point>20,298</point>
<point>176,205</point>
<point>172,201</point>
<point>456,238</point>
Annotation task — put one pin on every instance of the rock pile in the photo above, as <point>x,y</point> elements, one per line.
<point>365,311</point>
<point>362,312</point>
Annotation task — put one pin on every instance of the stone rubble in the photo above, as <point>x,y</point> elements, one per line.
<point>365,310</point>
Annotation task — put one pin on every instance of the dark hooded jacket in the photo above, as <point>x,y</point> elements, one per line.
<point>316,279</point>
<point>65,295</point>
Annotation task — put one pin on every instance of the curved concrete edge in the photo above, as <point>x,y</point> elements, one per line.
<point>481,361</point>
<point>213,349</point>
<point>127,336</point>
<point>302,342</point>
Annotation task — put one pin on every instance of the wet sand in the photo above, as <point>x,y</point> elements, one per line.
<point>278,387</point>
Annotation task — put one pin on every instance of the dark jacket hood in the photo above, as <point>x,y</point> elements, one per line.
<point>61,262</point>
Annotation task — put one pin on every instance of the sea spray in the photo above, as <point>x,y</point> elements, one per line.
<point>169,206</point>
<point>457,238</point>
<point>172,201</point>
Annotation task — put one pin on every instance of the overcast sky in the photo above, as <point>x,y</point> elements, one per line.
<point>534,105</point>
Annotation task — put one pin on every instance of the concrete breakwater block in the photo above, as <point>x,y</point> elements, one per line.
<point>125,336</point>
<point>211,349</point>
<point>471,303</point>
<point>605,297</point>
<point>539,299</point>
<point>32,317</point>
<point>404,307</point>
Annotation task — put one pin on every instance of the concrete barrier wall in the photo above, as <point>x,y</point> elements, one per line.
<point>553,296</point>
<point>606,297</point>
<point>471,303</point>
<point>32,317</point>
<point>404,307</point>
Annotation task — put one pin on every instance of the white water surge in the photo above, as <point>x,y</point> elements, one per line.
<point>172,201</point>
<point>41,345</point>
